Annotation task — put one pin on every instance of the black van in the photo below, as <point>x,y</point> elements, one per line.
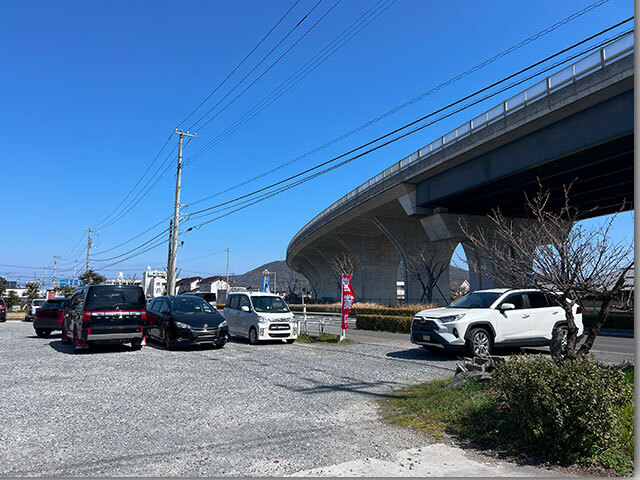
<point>113,313</point>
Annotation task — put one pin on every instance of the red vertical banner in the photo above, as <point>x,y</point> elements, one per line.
<point>347,299</point>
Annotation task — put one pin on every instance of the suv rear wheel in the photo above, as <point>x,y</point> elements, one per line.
<point>42,332</point>
<point>479,342</point>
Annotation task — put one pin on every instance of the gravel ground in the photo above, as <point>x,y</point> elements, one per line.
<point>271,409</point>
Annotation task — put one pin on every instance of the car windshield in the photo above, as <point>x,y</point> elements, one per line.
<point>269,305</point>
<point>476,300</point>
<point>38,303</point>
<point>53,304</point>
<point>191,305</point>
<point>120,297</point>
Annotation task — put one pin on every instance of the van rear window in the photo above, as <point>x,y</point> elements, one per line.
<point>116,297</point>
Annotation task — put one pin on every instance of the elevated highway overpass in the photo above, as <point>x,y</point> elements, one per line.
<point>574,124</point>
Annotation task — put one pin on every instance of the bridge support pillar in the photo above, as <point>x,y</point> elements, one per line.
<point>421,258</point>
<point>319,273</point>
<point>377,269</point>
<point>449,226</point>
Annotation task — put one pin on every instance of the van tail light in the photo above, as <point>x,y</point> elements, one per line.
<point>143,315</point>
<point>580,310</point>
<point>86,317</point>
<point>60,317</point>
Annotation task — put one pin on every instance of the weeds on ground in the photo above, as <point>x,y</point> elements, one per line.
<point>324,338</point>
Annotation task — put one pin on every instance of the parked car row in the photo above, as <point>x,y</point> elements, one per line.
<point>120,313</point>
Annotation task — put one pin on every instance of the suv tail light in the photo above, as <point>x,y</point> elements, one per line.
<point>86,317</point>
<point>580,309</point>
<point>61,316</point>
<point>143,315</point>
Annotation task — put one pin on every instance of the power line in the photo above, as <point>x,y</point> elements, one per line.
<point>295,27</point>
<point>267,195</point>
<point>241,63</point>
<point>270,66</point>
<point>407,103</point>
<point>356,27</point>
<point>100,224</point>
<point>115,219</point>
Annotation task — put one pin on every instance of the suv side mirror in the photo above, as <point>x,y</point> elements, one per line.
<point>165,314</point>
<point>245,308</point>
<point>507,306</point>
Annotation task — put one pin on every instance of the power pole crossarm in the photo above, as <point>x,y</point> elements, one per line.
<point>171,274</point>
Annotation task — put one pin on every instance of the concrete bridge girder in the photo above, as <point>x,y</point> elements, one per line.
<point>411,241</point>
<point>378,262</point>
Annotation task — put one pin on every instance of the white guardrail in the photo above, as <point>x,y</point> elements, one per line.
<point>586,65</point>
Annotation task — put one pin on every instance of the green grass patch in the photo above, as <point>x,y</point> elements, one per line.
<point>568,412</point>
<point>434,408</point>
<point>325,338</point>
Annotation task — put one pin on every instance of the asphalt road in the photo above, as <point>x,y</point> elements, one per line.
<point>268,410</point>
<point>611,346</point>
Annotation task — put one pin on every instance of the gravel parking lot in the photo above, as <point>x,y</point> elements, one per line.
<point>267,410</point>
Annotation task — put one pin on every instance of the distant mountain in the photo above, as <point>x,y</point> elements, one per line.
<point>285,275</point>
<point>457,276</point>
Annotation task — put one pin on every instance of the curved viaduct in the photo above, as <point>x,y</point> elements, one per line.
<point>577,123</point>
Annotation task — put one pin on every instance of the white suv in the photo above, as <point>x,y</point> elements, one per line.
<point>486,318</point>
<point>260,316</point>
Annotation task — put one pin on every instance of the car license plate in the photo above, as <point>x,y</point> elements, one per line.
<point>426,338</point>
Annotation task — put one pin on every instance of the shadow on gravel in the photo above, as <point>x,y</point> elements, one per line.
<point>58,346</point>
<point>350,385</point>
<point>421,354</point>
<point>187,348</point>
<point>245,341</point>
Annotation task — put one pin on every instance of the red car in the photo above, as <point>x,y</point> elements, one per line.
<point>3,311</point>
<point>50,316</point>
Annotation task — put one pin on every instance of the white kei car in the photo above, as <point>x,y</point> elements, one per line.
<point>260,316</point>
<point>486,318</point>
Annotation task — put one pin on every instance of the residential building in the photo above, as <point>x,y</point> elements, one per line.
<point>189,284</point>
<point>154,282</point>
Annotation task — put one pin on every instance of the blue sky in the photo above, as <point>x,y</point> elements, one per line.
<point>91,90</point>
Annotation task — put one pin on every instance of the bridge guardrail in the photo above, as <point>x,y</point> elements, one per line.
<point>585,66</point>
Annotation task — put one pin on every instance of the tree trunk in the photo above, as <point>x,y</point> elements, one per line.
<point>572,332</point>
<point>600,319</point>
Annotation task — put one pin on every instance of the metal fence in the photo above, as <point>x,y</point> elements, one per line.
<point>317,324</point>
<point>552,83</point>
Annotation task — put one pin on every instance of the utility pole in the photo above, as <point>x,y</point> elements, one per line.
<point>171,286</point>
<point>169,256</point>
<point>89,245</point>
<point>227,267</point>
<point>55,260</point>
<point>43,269</point>
<point>74,273</point>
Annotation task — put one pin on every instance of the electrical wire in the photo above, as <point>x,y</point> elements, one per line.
<point>409,102</point>
<point>315,175</point>
<point>241,62</point>
<point>268,68</point>
<point>332,167</point>
<point>369,16</point>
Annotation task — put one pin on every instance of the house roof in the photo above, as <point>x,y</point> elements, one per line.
<point>212,279</point>
<point>184,281</point>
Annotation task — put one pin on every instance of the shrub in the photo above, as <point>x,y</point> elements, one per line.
<point>614,320</point>
<point>382,323</point>
<point>564,410</point>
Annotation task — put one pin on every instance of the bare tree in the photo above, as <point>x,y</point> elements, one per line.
<point>556,254</point>
<point>428,270</point>
<point>343,264</point>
